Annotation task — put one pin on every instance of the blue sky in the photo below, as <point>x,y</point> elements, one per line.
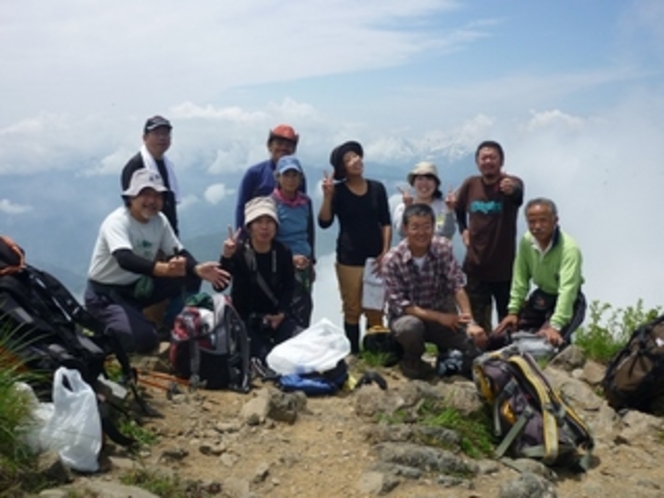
<point>573,90</point>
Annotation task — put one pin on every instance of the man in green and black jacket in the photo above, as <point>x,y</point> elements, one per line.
<point>552,260</point>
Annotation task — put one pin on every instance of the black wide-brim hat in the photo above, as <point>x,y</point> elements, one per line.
<point>337,157</point>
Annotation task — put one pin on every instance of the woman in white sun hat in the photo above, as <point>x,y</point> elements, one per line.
<point>425,182</point>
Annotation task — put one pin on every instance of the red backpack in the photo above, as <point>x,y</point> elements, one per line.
<point>210,347</point>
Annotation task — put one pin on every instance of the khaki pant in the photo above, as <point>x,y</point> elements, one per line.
<point>350,288</point>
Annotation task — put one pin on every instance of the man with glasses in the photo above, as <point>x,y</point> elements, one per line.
<point>422,278</point>
<point>156,141</point>
<point>259,179</point>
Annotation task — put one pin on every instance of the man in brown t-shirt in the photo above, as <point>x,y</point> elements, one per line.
<point>486,207</point>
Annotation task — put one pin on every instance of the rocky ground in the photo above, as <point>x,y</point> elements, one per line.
<point>269,443</point>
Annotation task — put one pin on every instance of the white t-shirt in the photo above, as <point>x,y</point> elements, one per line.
<point>120,230</point>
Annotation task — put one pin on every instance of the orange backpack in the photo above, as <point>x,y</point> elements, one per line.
<point>12,258</point>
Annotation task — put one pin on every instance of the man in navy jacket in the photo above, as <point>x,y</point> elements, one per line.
<point>259,179</point>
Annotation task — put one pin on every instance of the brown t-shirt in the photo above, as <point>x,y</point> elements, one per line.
<point>492,227</point>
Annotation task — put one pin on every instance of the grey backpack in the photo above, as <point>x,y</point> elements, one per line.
<point>530,418</point>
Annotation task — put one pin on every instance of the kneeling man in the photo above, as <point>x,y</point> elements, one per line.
<point>551,259</point>
<point>423,282</point>
<point>138,261</point>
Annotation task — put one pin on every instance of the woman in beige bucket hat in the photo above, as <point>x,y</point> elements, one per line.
<point>425,181</point>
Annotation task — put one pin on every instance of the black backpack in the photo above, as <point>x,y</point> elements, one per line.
<point>44,327</point>
<point>635,376</point>
<point>210,346</point>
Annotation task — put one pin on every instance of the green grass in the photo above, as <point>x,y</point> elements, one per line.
<point>608,329</point>
<point>16,459</point>
<point>162,484</point>
<point>400,416</point>
<point>143,436</point>
<point>431,349</point>
<point>373,359</point>
<point>474,428</point>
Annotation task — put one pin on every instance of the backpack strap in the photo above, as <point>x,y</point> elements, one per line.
<point>541,391</point>
<point>250,258</point>
<point>235,327</point>
<point>192,323</point>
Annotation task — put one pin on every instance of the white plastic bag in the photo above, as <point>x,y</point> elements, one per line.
<point>316,349</point>
<point>74,430</point>
<point>373,287</point>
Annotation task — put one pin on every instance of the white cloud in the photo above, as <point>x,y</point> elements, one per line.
<point>327,302</point>
<point>189,110</point>
<point>188,201</point>
<point>547,119</point>
<point>233,158</point>
<point>9,207</point>
<point>215,193</point>
<point>111,164</point>
<point>78,48</point>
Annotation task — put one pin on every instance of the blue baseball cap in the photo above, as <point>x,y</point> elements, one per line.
<point>287,163</point>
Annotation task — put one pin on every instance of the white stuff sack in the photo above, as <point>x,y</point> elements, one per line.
<point>373,287</point>
<point>537,346</point>
<point>40,414</point>
<point>74,429</point>
<point>316,349</point>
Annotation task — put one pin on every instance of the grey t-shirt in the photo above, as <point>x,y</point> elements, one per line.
<point>120,230</point>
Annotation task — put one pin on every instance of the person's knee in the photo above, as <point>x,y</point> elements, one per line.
<point>145,338</point>
<point>352,311</point>
<point>409,333</point>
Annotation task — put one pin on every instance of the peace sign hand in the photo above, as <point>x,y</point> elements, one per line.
<point>451,199</point>
<point>328,185</point>
<point>230,244</point>
<point>406,197</point>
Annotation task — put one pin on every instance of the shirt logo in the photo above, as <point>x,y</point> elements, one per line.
<point>486,207</point>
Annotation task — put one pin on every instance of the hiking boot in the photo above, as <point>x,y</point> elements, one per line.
<point>257,368</point>
<point>417,369</point>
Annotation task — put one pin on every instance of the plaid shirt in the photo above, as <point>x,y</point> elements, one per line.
<point>429,287</point>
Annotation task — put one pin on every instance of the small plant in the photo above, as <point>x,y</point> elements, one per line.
<point>609,328</point>
<point>374,359</point>
<point>398,417</point>
<point>430,349</point>
<point>15,416</point>
<point>473,428</point>
<point>143,436</point>
<point>161,484</point>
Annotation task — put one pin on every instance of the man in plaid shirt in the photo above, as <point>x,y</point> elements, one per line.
<point>423,282</point>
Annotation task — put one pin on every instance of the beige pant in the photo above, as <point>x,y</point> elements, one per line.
<point>350,288</point>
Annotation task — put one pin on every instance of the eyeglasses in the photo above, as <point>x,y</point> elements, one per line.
<point>415,228</point>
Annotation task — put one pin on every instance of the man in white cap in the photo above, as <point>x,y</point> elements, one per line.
<point>263,278</point>
<point>152,156</point>
<point>126,273</point>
